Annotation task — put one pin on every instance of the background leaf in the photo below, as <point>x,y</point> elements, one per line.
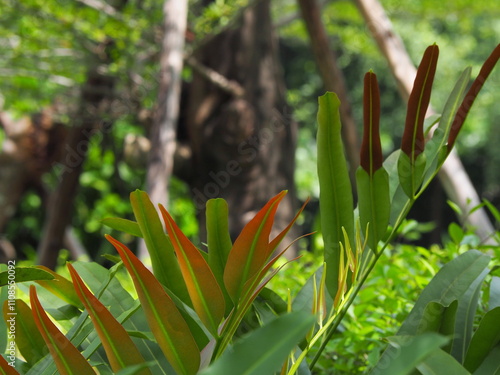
<point>263,351</point>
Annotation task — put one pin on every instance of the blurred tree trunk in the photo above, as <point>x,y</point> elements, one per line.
<point>453,177</point>
<point>163,131</point>
<point>333,79</point>
<point>95,94</point>
<point>242,139</point>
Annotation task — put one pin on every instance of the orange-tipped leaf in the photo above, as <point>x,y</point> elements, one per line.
<point>204,291</point>
<point>166,322</point>
<point>5,368</point>
<point>68,359</point>
<point>250,250</point>
<point>119,347</point>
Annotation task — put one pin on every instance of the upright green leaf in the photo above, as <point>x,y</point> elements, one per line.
<point>166,322</point>
<point>336,200</point>
<point>486,337</point>
<point>119,347</point>
<point>219,242</point>
<point>205,293</point>
<point>165,265</point>
<point>66,356</point>
<point>263,351</point>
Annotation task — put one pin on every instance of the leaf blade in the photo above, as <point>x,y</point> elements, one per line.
<point>336,200</point>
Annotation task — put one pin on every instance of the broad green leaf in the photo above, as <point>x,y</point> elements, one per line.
<point>218,238</point>
<point>494,300</point>
<point>439,362</point>
<point>204,291</point>
<point>250,251</point>
<point>120,349</point>
<point>336,201</point>
<point>5,368</point>
<point>167,324</point>
<point>440,319</point>
<point>60,287</point>
<point>486,337</point>
<point>165,265</point>
<point>28,340</point>
<point>491,364</point>
<point>219,242</point>
<point>408,353</point>
<point>451,283</point>
<point>464,320</point>
<point>22,274</point>
<point>123,225</point>
<point>263,351</point>
<point>66,356</point>
<point>374,204</point>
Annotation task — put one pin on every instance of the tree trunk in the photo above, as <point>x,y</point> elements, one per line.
<point>333,79</point>
<point>164,128</point>
<point>163,132</point>
<point>95,93</point>
<point>452,175</point>
<point>242,143</point>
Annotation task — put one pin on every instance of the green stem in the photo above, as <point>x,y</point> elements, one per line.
<point>330,327</point>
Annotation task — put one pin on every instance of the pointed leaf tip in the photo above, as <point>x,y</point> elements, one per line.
<point>413,137</point>
<point>371,148</point>
<point>471,95</point>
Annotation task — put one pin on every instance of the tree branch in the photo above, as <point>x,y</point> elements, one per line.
<point>332,76</point>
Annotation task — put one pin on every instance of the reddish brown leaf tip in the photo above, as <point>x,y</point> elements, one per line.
<point>371,149</point>
<point>471,95</point>
<point>413,137</point>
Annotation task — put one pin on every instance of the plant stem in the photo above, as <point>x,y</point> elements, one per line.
<point>331,326</point>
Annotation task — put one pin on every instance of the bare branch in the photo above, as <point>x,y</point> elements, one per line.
<point>230,86</point>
